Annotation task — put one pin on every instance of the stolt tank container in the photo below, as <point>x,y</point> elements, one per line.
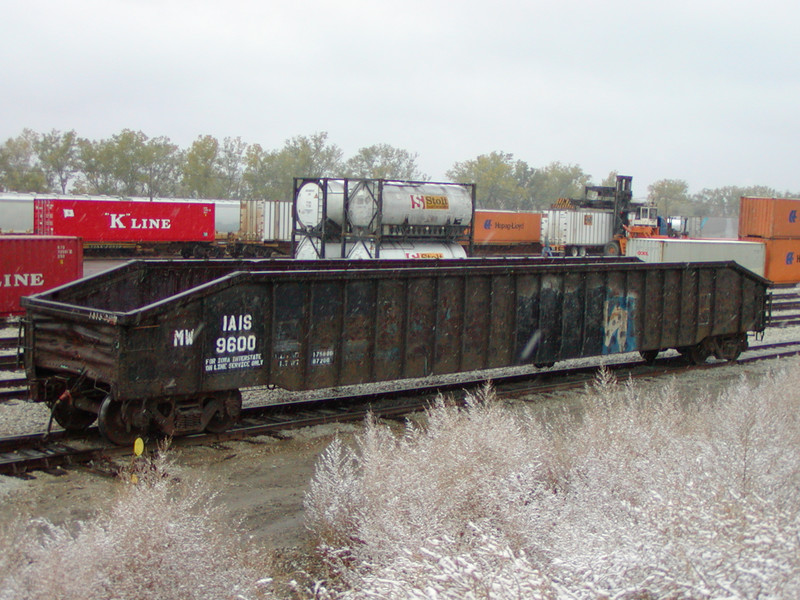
<point>751,255</point>
<point>309,248</point>
<point>31,264</point>
<point>503,227</point>
<point>769,217</point>
<point>399,202</point>
<point>406,250</point>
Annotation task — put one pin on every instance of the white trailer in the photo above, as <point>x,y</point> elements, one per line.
<point>577,232</point>
<point>751,255</point>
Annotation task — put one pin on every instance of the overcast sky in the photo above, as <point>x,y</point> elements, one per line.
<point>700,90</point>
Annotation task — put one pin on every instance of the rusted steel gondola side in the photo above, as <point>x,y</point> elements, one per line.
<point>169,345</point>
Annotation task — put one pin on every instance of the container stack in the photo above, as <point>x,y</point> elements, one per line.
<point>776,223</point>
<point>30,264</point>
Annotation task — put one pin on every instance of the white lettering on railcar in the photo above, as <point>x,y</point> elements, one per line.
<point>105,318</point>
<point>237,322</point>
<point>288,360</point>
<point>183,337</point>
<point>322,357</point>
<point>229,363</point>
<point>236,347</point>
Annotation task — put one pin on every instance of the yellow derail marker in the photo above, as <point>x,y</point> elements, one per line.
<point>138,448</point>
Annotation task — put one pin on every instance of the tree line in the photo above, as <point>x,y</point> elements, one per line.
<point>132,164</point>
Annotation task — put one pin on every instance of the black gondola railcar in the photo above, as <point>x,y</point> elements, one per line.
<point>168,345</point>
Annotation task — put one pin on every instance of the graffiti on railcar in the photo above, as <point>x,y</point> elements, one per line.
<point>619,326</point>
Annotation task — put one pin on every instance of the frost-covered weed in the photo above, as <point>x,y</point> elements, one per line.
<point>162,539</point>
<point>638,496</point>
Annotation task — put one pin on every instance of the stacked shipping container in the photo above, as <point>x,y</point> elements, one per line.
<point>31,264</point>
<point>776,223</point>
<point>505,227</point>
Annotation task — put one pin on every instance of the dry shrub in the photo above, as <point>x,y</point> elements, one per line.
<point>639,496</point>
<point>162,539</point>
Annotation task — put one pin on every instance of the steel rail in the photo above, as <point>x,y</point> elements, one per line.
<point>35,451</point>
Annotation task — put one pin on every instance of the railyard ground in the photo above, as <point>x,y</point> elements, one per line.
<point>262,481</point>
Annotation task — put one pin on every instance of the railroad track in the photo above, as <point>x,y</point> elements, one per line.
<point>785,307</point>
<point>37,451</point>
<point>13,385</point>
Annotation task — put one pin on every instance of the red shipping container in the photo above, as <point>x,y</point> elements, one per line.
<point>770,218</point>
<point>507,227</point>
<point>125,220</point>
<point>32,264</point>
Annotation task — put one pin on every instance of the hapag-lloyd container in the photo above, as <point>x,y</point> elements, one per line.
<point>125,220</point>
<point>32,264</point>
<point>749,254</point>
<point>782,261</point>
<point>770,218</point>
<point>500,227</point>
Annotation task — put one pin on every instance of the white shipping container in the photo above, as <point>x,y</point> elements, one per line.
<point>751,255</point>
<point>226,216</point>
<point>580,228</point>
<point>278,221</point>
<point>713,227</point>
<point>266,221</point>
<point>16,213</point>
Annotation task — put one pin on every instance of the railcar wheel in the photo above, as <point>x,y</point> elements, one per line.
<point>730,347</point>
<point>227,406</point>
<point>648,356</point>
<point>72,418</point>
<point>115,425</point>
<point>698,354</point>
